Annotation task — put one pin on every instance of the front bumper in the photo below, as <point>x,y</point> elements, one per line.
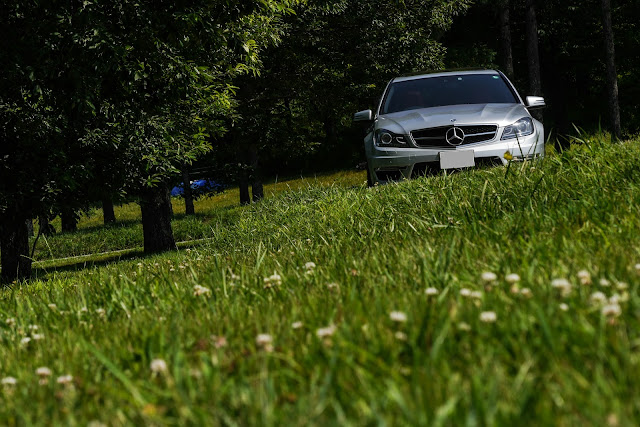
<point>387,164</point>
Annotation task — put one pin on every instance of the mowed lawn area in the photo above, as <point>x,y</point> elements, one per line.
<point>502,296</point>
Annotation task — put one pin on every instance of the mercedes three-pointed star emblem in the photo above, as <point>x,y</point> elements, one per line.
<point>455,136</point>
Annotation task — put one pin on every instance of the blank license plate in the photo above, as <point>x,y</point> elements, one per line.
<point>456,159</point>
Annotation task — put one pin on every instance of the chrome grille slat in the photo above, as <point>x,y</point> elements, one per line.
<point>436,137</point>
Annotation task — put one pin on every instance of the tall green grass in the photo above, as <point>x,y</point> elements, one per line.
<point>354,338</point>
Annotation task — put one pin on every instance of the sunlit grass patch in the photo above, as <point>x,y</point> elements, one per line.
<point>488,296</point>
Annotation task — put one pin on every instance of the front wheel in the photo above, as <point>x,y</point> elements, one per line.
<point>369,178</point>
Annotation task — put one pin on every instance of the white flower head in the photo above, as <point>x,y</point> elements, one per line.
<point>333,286</point>
<point>37,337</point>
<point>158,366</point>
<point>611,310</point>
<point>563,285</point>
<point>52,306</point>
<point>326,331</point>
<point>296,325</point>
<point>11,321</point>
<point>476,295</point>
<point>621,286</point>
<point>9,381</point>
<point>488,317</point>
<point>526,292</point>
<point>64,379</point>
<point>465,292</point>
<point>264,340</point>
<point>637,268</point>
<point>489,276</point>
<point>605,283</point>
<point>598,298</point>
<point>272,281</point>
<point>33,327</point>
<point>398,316</point>
<point>512,278</point>
<point>200,291</point>
<point>564,307</point>
<point>400,336</point>
<point>309,266</point>
<point>431,291</point>
<point>101,312</point>
<point>584,277</point>
<point>25,341</point>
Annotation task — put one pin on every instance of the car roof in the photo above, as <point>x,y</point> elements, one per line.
<point>443,74</point>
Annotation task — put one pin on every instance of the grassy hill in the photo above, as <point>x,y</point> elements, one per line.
<point>497,296</point>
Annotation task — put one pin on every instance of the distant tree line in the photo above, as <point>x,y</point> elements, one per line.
<point>106,100</point>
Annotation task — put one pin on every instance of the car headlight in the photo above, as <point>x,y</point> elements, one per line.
<point>522,127</point>
<point>386,138</point>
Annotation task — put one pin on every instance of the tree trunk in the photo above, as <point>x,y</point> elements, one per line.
<point>69,220</point>
<point>612,75</point>
<point>188,194</point>
<point>44,226</point>
<point>257,190</point>
<point>14,249</point>
<point>533,55</point>
<point>108,214</point>
<point>30,227</point>
<point>505,38</point>
<point>156,219</point>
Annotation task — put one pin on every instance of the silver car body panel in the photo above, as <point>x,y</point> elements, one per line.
<point>402,160</point>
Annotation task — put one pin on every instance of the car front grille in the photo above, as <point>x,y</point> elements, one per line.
<point>436,137</point>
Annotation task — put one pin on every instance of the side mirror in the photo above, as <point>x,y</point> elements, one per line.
<point>534,102</point>
<point>363,116</point>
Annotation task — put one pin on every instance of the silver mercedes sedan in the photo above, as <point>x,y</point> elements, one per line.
<point>449,120</point>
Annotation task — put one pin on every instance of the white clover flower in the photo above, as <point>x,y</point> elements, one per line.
<point>310,265</point>
<point>637,268</point>
<point>464,326</point>
<point>400,336</point>
<point>489,276</point>
<point>200,290</point>
<point>264,339</point>
<point>598,298</point>
<point>326,332</point>
<point>52,306</point>
<point>83,310</point>
<point>465,292</point>
<point>11,321</point>
<point>476,295</point>
<point>64,379</point>
<point>584,277</point>
<point>33,327</point>
<point>101,312</point>
<point>431,291</point>
<point>512,278</point>
<point>621,286</point>
<point>611,310</point>
<point>43,371</point>
<point>333,286</point>
<point>488,316</point>
<point>37,337</point>
<point>9,381</point>
<point>296,325</point>
<point>563,285</point>
<point>158,366</point>
<point>615,299</point>
<point>564,307</point>
<point>272,281</point>
<point>526,292</point>
<point>398,316</point>
<point>604,283</point>
<point>25,341</point>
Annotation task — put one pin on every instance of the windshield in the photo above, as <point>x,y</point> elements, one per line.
<point>447,90</point>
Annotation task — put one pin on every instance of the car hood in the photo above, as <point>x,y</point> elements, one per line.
<point>471,114</point>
